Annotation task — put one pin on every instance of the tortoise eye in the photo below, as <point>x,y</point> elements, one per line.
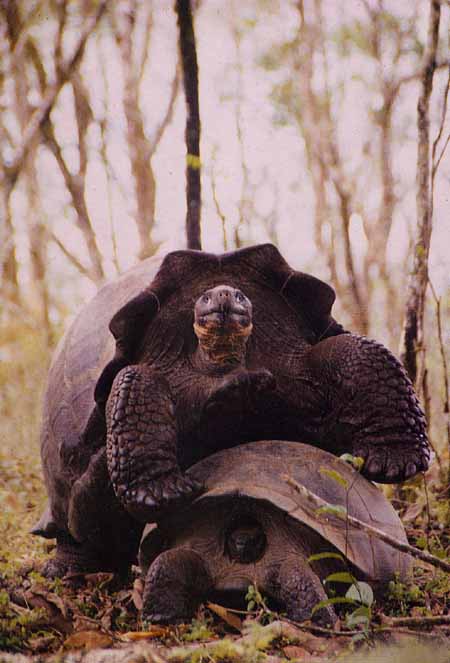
<point>205,299</point>
<point>239,297</point>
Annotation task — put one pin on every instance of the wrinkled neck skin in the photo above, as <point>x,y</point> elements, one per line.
<point>220,352</point>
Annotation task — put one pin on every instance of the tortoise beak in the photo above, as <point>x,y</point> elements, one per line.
<point>223,308</point>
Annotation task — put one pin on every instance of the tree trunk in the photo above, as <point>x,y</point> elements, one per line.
<point>192,134</point>
<point>412,337</point>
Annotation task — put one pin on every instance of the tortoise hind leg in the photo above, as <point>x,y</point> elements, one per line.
<point>102,536</point>
<point>298,589</point>
<point>176,583</point>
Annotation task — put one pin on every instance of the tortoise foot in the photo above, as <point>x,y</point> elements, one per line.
<point>296,587</point>
<point>393,463</point>
<point>176,583</point>
<point>162,496</point>
<point>73,557</point>
<point>55,568</point>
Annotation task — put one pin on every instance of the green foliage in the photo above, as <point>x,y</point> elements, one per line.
<point>277,56</point>
<point>354,35</point>
<point>334,476</point>
<point>361,592</point>
<point>340,576</point>
<point>404,595</point>
<point>333,509</point>
<point>248,649</point>
<point>16,628</point>
<point>333,600</point>
<point>325,555</point>
<point>254,598</point>
<point>257,603</point>
<point>355,461</point>
<point>200,629</point>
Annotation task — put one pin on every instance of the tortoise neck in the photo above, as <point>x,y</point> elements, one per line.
<point>220,353</point>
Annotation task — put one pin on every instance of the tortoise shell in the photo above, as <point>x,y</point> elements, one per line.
<point>257,471</point>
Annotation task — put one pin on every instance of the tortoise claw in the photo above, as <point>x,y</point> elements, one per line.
<point>392,463</point>
<point>162,495</point>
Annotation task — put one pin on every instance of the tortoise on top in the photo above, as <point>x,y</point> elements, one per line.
<point>251,528</point>
<point>210,351</point>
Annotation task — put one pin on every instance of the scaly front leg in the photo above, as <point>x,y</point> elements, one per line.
<point>294,584</point>
<point>142,445</point>
<point>375,411</point>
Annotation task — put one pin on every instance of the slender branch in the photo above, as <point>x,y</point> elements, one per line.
<point>168,115</point>
<point>432,620</point>
<point>435,162</point>
<point>146,48</point>
<point>317,502</point>
<point>219,210</point>
<point>109,200</point>
<point>445,399</point>
<point>441,125</point>
<point>75,186</point>
<point>71,257</point>
<point>42,113</point>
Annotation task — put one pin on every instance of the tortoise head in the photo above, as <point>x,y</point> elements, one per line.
<point>222,323</point>
<point>245,540</point>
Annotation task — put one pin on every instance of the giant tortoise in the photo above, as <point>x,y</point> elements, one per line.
<point>251,527</point>
<point>204,352</point>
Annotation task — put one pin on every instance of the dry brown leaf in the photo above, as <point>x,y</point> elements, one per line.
<point>300,654</point>
<point>38,599</point>
<point>41,644</point>
<point>137,592</point>
<point>100,578</point>
<point>229,617</point>
<point>88,640</point>
<point>106,618</point>
<point>151,632</point>
<point>412,512</point>
<point>50,597</point>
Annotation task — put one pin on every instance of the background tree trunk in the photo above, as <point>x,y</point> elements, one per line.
<point>192,135</point>
<point>412,337</point>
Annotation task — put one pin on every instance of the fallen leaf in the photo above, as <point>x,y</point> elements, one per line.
<point>151,632</point>
<point>229,617</point>
<point>88,640</point>
<point>53,614</point>
<point>413,510</point>
<point>137,592</point>
<point>101,578</point>
<point>42,643</point>
<point>300,654</point>
<point>50,597</point>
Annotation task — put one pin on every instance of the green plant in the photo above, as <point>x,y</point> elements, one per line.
<point>257,604</point>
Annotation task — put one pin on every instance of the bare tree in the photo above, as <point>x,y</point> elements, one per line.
<point>413,337</point>
<point>19,42</point>
<point>324,159</point>
<point>141,148</point>
<point>188,52</point>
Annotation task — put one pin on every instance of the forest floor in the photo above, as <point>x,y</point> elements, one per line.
<point>95,618</point>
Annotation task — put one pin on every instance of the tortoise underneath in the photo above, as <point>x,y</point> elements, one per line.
<point>205,352</point>
<point>251,527</point>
